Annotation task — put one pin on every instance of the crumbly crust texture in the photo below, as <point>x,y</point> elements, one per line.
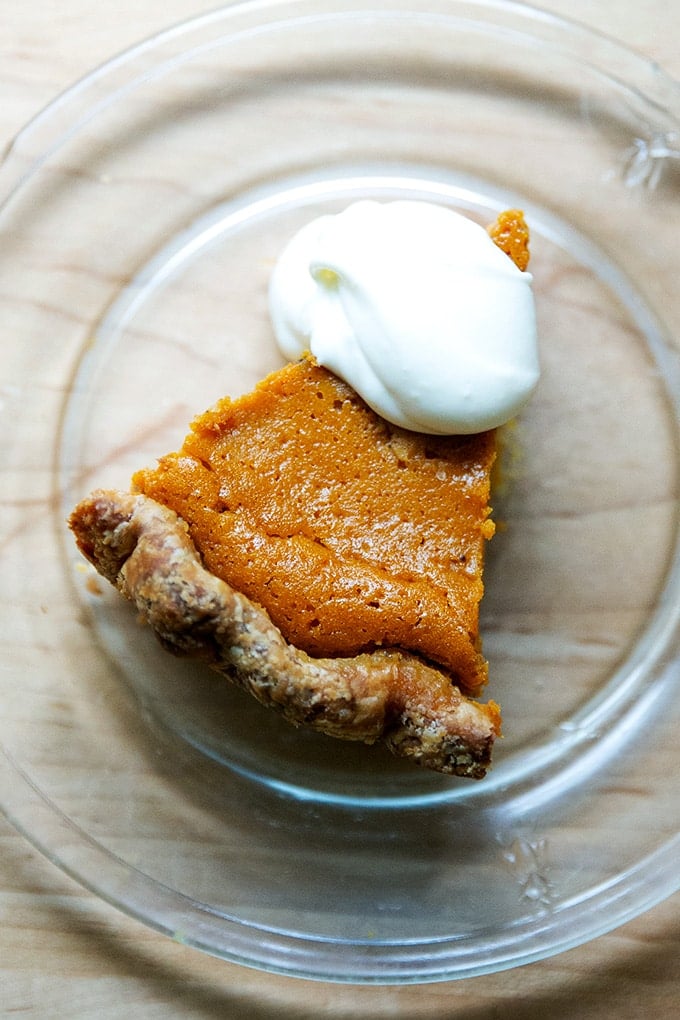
<point>144,550</point>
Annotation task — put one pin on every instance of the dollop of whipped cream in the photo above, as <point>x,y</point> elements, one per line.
<point>416,308</point>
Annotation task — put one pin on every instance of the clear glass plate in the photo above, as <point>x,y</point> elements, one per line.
<point>141,215</point>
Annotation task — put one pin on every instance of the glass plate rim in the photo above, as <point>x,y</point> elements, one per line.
<point>77,96</point>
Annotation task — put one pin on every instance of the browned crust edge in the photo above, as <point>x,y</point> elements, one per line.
<point>144,550</point>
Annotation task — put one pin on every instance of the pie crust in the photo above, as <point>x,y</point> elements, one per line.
<point>144,549</point>
<point>223,563</point>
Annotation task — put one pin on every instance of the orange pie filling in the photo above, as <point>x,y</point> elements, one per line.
<point>326,560</point>
<point>351,533</point>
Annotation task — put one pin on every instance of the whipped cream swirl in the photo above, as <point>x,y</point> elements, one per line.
<point>416,308</point>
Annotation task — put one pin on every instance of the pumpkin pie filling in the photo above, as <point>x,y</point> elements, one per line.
<point>324,559</point>
<point>351,533</point>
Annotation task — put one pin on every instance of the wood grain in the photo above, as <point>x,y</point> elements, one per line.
<point>65,953</point>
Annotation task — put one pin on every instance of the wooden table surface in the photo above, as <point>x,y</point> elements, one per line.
<point>63,953</point>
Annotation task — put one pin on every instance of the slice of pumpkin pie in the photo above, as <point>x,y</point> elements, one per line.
<point>325,560</point>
